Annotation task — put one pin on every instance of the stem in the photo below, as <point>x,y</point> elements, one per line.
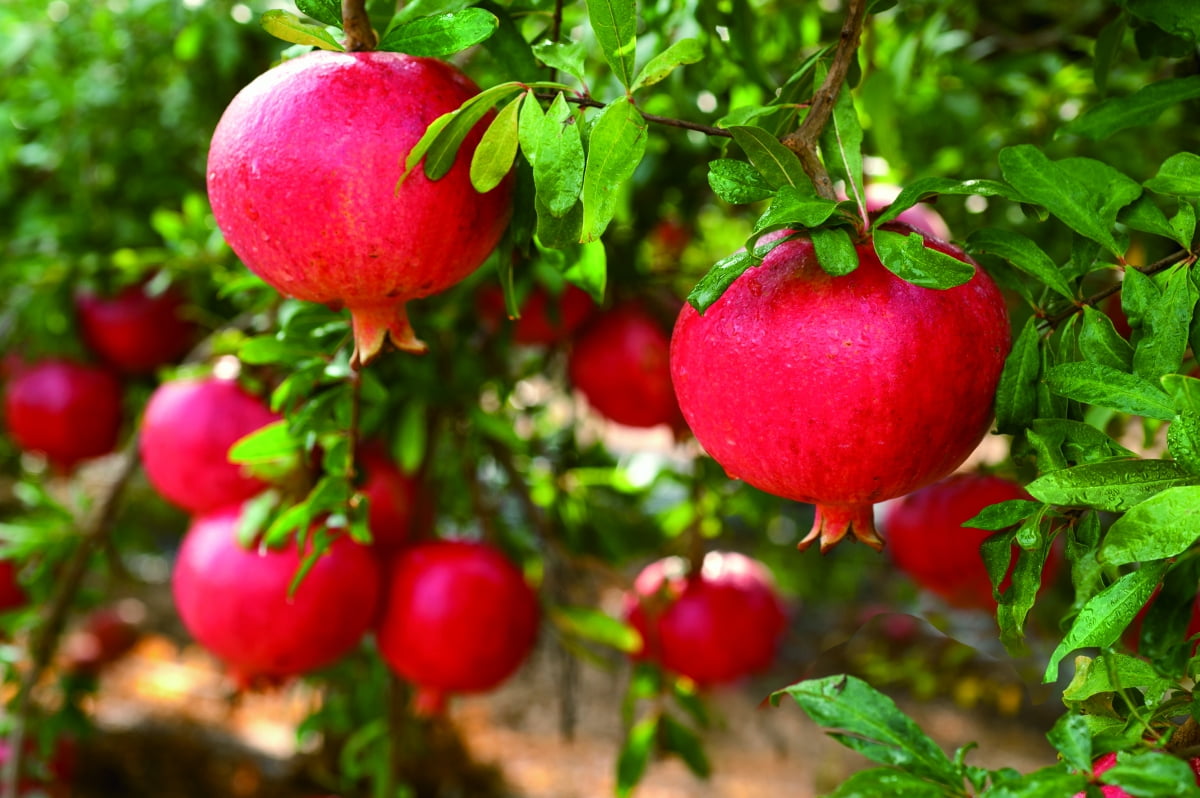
<point>1154,268</point>
<point>803,140</point>
<point>355,413</point>
<point>360,36</point>
<point>585,101</point>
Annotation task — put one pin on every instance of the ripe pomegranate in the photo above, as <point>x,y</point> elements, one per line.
<point>234,601</point>
<point>457,617</point>
<point>64,410</point>
<point>391,498</point>
<point>928,541</point>
<point>12,595</point>
<point>840,391</point>
<point>1107,762</point>
<point>186,433</point>
<point>135,331</point>
<point>545,319</point>
<point>302,176</point>
<point>713,627</point>
<point>619,362</point>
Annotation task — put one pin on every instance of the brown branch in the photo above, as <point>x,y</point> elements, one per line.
<point>360,36</point>
<point>584,101</point>
<point>803,140</point>
<point>1178,256</point>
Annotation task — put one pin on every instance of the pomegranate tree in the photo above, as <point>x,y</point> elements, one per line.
<point>235,601</point>
<point>545,318</point>
<point>840,391</point>
<point>927,540</point>
<point>457,617</point>
<point>135,331</point>
<point>187,430</point>
<point>303,173</point>
<point>63,410</point>
<point>715,626</point>
<point>619,362</point>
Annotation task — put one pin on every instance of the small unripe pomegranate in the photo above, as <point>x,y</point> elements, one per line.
<point>135,331</point>
<point>619,362</point>
<point>391,499</point>
<point>64,410</point>
<point>1109,760</point>
<point>458,617</point>
<point>714,627</point>
<point>927,540</point>
<point>302,176</point>
<point>840,391</point>
<point>187,430</point>
<point>545,319</point>
<point>12,595</point>
<point>234,601</point>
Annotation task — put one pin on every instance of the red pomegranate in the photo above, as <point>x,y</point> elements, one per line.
<point>927,539</point>
<point>1112,307</point>
<point>391,498</point>
<point>1106,763</point>
<point>840,391</point>
<point>105,635</point>
<point>545,318</point>
<point>64,410</point>
<point>135,331</point>
<point>619,362</point>
<point>186,433</point>
<point>458,617</point>
<point>234,601</point>
<point>303,173</point>
<point>12,595</point>
<point>713,627</point>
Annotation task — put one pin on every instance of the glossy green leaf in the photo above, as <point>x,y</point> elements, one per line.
<point>558,232</point>
<point>1016,393</point>
<point>497,149</point>
<point>328,12</point>
<point>289,27</point>
<point>1025,578</point>
<point>1070,737</point>
<point>684,51</point>
<point>1183,442</point>
<point>614,22</point>
<point>411,441</point>
<point>1144,215</point>
<point>678,739</point>
<point>1023,253</point>
<point>266,349</point>
<point>615,148</point>
<point>1003,514</point>
<point>1142,107</point>
<point>1094,384</point>
<point>737,182</point>
<point>268,443</point>
<point>835,250</point>
<point>1179,176</point>
<point>590,270</point>
<point>441,35</point>
<point>1080,442</point>
<point>1099,342</point>
<point>792,208</point>
<point>565,56</point>
<point>1184,224</point>
<point>1177,17</point>
<point>635,755</point>
<point>1184,392</point>
<point>1115,486</point>
<point>597,626</point>
<point>1048,782</point>
<point>841,145</point>
<point>778,165</point>
<point>907,257</point>
<point>1164,340</point>
<point>1164,525</point>
<point>558,169</point>
<point>1108,43</point>
<point>928,187</point>
<point>438,147</point>
<point>1152,774</point>
<point>1110,672</point>
<point>723,273</point>
<point>876,782</point>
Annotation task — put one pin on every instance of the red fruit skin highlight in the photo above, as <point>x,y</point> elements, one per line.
<point>186,432</point>
<point>64,410</point>
<point>234,601</point>
<point>620,363</point>
<point>458,617</point>
<point>714,627</point>
<point>302,176</point>
<point>134,331</point>
<point>840,391</point>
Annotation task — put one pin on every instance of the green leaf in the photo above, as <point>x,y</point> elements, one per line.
<point>737,182</point>
<point>558,168</point>
<point>1045,182</point>
<point>792,208</point>
<point>684,51</point>
<point>1003,514</point>
<point>1105,616</point>
<point>928,187</point>
<point>1162,526</point>
<point>328,12</point>
<point>1016,602</point>
<point>1016,393</point>
<point>907,257</point>
<point>723,273</point>
<point>1112,672</point>
<point>266,444</point>
<point>1165,324</point>
<point>1099,385</point>
<point>635,755</point>
<point>778,165</point>
<point>1183,223</point>
<point>1108,43</point>
<point>876,782</point>
<point>679,739</point>
<point>1176,17</point>
<point>1142,107</point>
<point>1152,774</point>
<point>1048,782</point>
<point>439,145</point>
<point>411,439</point>
<point>1099,341</point>
<point>289,27</point>
<point>590,270</point>
<point>565,56</point>
<point>1184,392</point>
<point>1183,442</point>
<point>557,232</point>
<point>835,250</point>
<point>1081,443</point>
<point>1144,215</point>
<point>267,349</point>
<point>865,720</point>
<point>1070,737</point>
<point>614,23</point>
<point>1115,486</point>
<point>1023,253</point>
<point>497,149</point>
<point>1139,293</point>
<point>841,144</point>
<point>616,145</point>
<point>441,35</point>
<point>597,626</point>
<point>1178,176</point>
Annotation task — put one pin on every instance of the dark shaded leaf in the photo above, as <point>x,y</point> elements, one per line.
<point>1142,107</point>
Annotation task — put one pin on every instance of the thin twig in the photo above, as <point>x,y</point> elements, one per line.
<point>360,36</point>
<point>803,140</point>
<point>1178,256</point>
<point>585,101</point>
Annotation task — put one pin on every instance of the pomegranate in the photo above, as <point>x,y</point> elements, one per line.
<point>928,541</point>
<point>713,627</point>
<point>12,595</point>
<point>303,173</point>
<point>619,362</point>
<point>458,617</point>
<point>840,391</point>
<point>135,331</point>
<point>64,410</point>
<point>391,498</point>
<point>234,601</point>
<point>106,635</point>
<point>186,433</point>
<point>1106,763</point>
<point>1112,307</point>
<point>545,318</point>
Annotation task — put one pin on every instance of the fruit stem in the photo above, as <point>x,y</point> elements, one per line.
<point>1163,264</point>
<point>360,36</point>
<point>833,521</point>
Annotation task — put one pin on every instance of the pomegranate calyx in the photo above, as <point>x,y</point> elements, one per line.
<point>430,702</point>
<point>375,325</point>
<point>833,521</point>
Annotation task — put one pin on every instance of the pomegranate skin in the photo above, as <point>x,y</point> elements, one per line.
<point>64,410</point>
<point>391,499</point>
<point>302,176</point>
<point>458,617</point>
<point>545,319</point>
<point>234,601</point>
<point>840,391</point>
<point>927,540</point>
<point>135,332</point>
<point>715,627</point>
<point>619,362</point>
<point>12,595</point>
<point>186,433</point>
